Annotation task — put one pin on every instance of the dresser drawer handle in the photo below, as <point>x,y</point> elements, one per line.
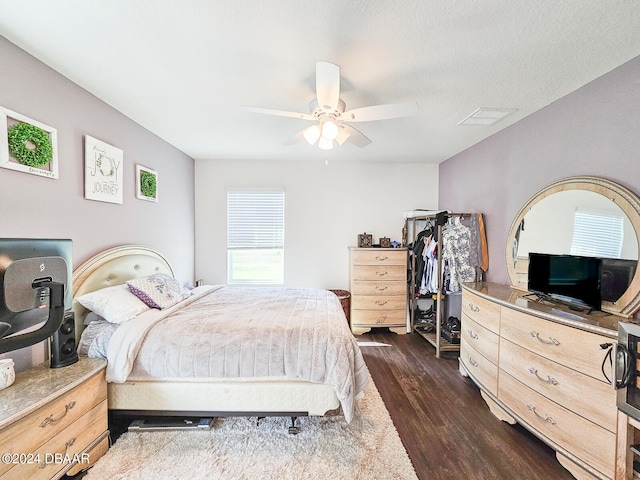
<point>381,274</point>
<point>473,308</point>
<point>473,362</point>
<point>381,319</point>
<point>549,379</point>
<point>66,451</point>
<point>382,259</point>
<point>382,289</point>
<point>50,420</point>
<point>546,418</point>
<point>551,341</point>
<point>472,334</point>
<point>381,302</point>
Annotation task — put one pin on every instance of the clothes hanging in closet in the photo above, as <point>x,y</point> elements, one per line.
<point>456,255</point>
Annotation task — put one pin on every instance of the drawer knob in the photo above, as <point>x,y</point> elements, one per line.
<point>546,418</point>
<point>551,341</point>
<point>473,308</point>
<point>382,259</point>
<point>381,274</point>
<point>381,288</point>
<point>549,379</point>
<point>473,362</point>
<point>381,302</point>
<point>51,420</point>
<point>381,319</point>
<point>472,334</point>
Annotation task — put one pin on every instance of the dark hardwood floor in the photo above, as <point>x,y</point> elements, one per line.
<point>442,420</point>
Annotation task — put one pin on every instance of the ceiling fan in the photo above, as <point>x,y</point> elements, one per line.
<point>327,111</point>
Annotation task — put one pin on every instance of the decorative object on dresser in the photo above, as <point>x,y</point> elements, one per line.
<point>365,240</point>
<point>378,289</point>
<point>445,250</point>
<point>54,422</point>
<point>385,242</point>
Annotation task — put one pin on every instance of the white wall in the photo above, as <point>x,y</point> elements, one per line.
<point>326,207</point>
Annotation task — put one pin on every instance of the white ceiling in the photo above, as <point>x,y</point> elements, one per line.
<point>184,68</point>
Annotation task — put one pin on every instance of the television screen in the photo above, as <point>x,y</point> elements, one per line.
<point>35,289</point>
<point>566,278</point>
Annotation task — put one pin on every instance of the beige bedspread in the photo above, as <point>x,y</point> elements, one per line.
<point>249,333</point>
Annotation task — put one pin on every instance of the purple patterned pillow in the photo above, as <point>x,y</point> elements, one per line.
<point>158,290</point>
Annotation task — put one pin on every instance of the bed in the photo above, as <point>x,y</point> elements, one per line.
<point>155,373</point>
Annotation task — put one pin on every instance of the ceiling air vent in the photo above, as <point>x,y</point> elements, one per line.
<point>487,116</point>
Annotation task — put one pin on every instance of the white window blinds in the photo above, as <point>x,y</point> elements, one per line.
<point>597,234</point>
<point>255,236</point>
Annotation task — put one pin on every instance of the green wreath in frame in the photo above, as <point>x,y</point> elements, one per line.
<point>20,138</point>
<point>148,184</point>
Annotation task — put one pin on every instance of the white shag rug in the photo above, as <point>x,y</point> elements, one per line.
<point>237,448</point>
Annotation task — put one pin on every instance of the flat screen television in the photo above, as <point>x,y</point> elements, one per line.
<point>35,289</point>
<point>569,279</point>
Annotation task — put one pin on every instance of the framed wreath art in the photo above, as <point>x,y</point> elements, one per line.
<point>27,145</point>
<point>146,184</point>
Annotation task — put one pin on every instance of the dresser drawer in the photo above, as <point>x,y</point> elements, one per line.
<point>574,348</point>
<point>378,288</point>
<point>379,257</point>
<point>483,340</point>
<point>482,370</point>
<point>379,302</point>
<point>57,454</point>
<point>592,444</point>
<point>373,317</point>
<point>379,272</point>
<point>28,434</point>
<point>482,311</point>
<point>584,395</point>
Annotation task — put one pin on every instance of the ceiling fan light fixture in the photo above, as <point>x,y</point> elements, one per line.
<point>312,134</point>
<point>325,144</point>
<point>330,130</point>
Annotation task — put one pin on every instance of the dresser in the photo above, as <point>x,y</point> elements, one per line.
<point>542,366</point>
<point>54,421</point>
<point>378,284</point>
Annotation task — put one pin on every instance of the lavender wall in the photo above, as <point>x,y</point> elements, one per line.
<point>593,131</point>
<point>32,206</point>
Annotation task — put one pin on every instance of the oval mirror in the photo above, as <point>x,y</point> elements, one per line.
<point>554,219</point>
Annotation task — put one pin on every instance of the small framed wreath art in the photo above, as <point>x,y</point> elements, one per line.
<point>146,184</point>
<point>27,145</point>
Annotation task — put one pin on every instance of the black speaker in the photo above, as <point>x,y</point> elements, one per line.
<point>63,343</point>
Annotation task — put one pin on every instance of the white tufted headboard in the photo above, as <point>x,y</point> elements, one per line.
<point>114,266</point>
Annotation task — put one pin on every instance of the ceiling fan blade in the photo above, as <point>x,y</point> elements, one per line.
<point>380,112</point>
<point>280,113</point>
<point>354,136</point>
<point>327,85</point>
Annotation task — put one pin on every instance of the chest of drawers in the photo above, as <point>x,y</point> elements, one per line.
<point>54,421</point>
<point>545,374</point>
<point>378,283</point>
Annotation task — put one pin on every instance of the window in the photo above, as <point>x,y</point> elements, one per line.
<point>255,236</point>
<point>597,234</point>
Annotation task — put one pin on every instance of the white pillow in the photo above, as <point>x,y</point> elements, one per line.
<point>116,304</point>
